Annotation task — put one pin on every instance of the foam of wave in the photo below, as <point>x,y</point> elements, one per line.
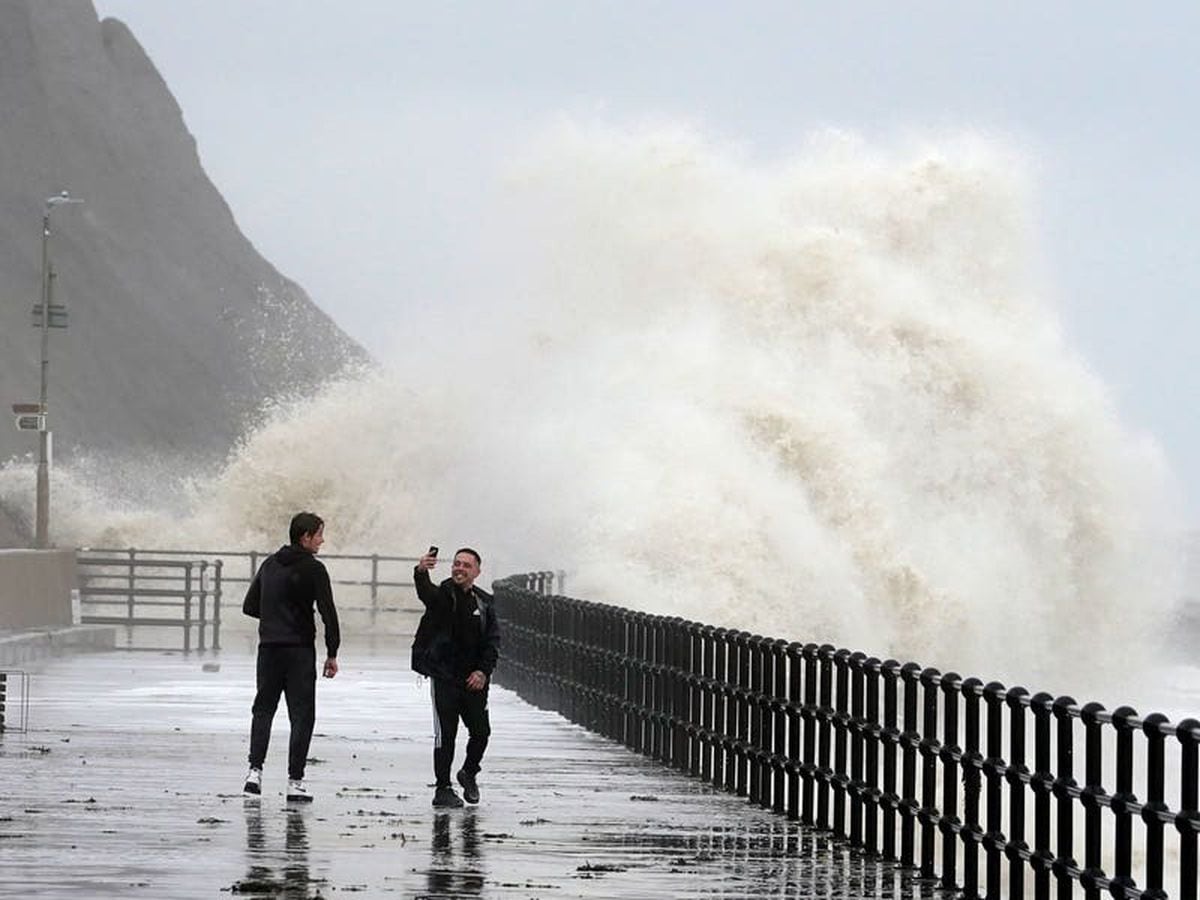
<point>823,398</point>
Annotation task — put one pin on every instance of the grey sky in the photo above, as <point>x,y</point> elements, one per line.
<point>353,139</point>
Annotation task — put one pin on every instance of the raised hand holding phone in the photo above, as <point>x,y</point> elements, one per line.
<point>429,560</point>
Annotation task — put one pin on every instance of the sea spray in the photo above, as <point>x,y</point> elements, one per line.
<point>823,399</point>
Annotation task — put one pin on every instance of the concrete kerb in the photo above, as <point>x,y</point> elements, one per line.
<point>28,644</point>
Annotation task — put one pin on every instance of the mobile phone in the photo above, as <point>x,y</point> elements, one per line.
<point>432,550</point>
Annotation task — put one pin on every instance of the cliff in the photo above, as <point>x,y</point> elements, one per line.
<point>179,329</point>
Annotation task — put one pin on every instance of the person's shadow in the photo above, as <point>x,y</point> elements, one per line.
<point>273,870</point>
<point>451,873</point>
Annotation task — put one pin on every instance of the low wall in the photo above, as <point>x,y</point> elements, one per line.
<point>35,588</point>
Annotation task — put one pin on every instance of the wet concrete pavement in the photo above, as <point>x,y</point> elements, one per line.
<point>128,784</point>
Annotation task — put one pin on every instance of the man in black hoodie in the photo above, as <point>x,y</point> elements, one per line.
<point>282,595</point>
<point>456,645</point>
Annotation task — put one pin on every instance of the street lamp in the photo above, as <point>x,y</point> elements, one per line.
<point>42,529</point>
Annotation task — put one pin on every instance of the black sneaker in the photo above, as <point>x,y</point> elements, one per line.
<point>445,798</point>
<point>470,788</point>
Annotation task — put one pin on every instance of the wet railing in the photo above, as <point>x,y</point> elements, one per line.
<point>971,783</point>
<point>152,592</point>
<point>372,584</point>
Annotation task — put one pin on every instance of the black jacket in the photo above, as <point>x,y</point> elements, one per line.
<point>458,633</point>
<point>289,583</point>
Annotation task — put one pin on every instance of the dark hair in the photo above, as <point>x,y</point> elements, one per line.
<point>478,560</point>
<point>304,523</point>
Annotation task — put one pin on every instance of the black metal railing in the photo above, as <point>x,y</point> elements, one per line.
<point>972,783</point>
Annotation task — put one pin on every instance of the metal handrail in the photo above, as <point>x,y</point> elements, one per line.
<point>915,765</point>
<point>372,580</point>
<point>190,594</point>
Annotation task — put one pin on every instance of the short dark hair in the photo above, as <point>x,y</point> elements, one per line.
<point>478,559</point>
<point>304,523</point>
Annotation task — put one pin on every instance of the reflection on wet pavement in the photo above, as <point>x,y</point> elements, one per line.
<point>456,861</point>
<point>273,870</point>
<point>128,784</point>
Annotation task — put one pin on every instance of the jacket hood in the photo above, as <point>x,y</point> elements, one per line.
<point>290,554</point>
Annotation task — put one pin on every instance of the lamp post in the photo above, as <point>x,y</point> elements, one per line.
<point>42,528</point>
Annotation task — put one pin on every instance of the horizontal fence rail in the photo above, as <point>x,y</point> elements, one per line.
<point>377,584</point>
<point>152,591</point>
<point>971,783</point>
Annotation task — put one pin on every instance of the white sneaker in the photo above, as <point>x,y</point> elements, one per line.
<point>297,792</point>
<point>253,783</point>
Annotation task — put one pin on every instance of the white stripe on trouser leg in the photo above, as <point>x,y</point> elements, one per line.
<point>437,723</point>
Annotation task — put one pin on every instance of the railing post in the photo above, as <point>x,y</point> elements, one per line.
<point>203,596</point>
<point>972,761</point>
<point>708,699</point>
<point>841,735</point>
<point>929,749</point>
<point>638,680</point>
<point>742,698</point>
<point>721,738</point>
<point>187,607</point>
<point>1041,783</point>
<point>824,733</point>
<point>873,732</point>
<point>951,685</point>
<point>795,702</point>
<point>217,564</point>
<point>1064,785</point>
<point>1187,821</point>
<point>756,711</point>
<point>809,712</point>
<point>1123,797</point>
<point>993,839</point>
<point>661,743</point>
<point>1155,804</point>
<point>132,588</point>
<point>1016,700</point>
<point>891,743</point>
<point>855,786</point>
<point>679,665</point>
<point>1093,792</point>
<point>910,740</point>
<point>779,726</point>
<point>374,587</point>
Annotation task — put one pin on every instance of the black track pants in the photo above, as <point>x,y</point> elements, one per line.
<point>291,671</point>
<point>451,703</point>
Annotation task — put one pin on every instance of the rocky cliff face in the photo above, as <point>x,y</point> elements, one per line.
<point>179,329</point>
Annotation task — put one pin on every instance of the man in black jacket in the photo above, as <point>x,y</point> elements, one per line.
<point>456,646</point>
<point>282,595</point>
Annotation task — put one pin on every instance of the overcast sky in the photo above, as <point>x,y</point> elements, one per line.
<point>354,138</point>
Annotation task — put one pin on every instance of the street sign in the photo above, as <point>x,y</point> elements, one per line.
<point>31,423</point>
<point>58,315</point>
<point>24,409</point>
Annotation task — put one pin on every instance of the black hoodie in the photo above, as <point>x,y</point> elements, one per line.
<point>458,633</point>
<point>289,583</point>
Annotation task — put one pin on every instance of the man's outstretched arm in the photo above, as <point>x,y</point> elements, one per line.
<point>426,589</point>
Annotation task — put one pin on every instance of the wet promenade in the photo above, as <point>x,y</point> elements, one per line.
<point>128,784</point>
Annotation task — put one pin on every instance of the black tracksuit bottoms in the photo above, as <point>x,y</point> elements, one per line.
<point>291,671</point>
<point>450,703</point>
